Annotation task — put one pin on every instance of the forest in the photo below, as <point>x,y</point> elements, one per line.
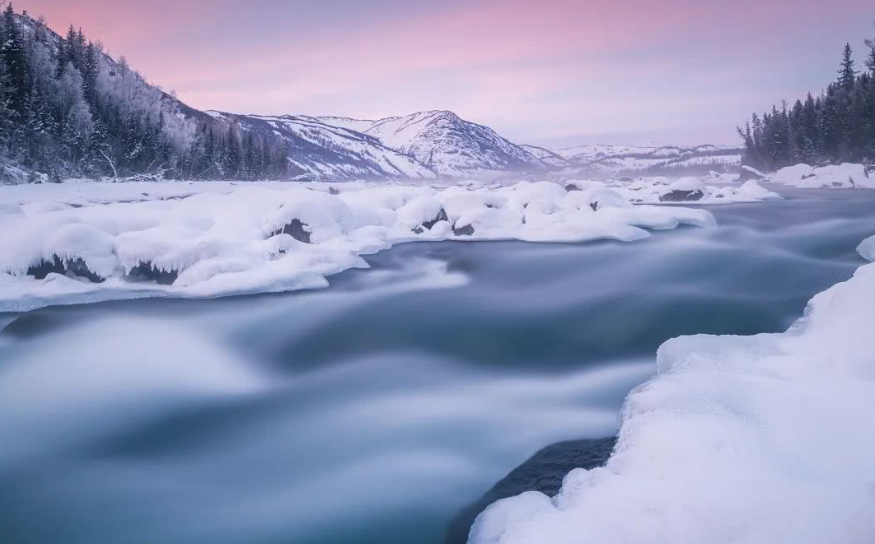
<point>836,126</point>
<point>68,110</point>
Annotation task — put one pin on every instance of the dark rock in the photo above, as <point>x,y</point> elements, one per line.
<point>297,230</point>
<point>148,272</point>
<point>682,196</point>
<point>333,191</point>
<point>809,176</point>
<point>594,206</point>
<point>467,230</point>
<point>74,267</point>
<point>441,216</point>
<point>626,180</point>
<point>572,187</point>
<point>543,472</point>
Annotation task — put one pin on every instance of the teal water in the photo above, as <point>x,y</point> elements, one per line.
<point>373,411</point>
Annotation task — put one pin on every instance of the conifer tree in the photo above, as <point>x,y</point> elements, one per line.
<point>847,74</point>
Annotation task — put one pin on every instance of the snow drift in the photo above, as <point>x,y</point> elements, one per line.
<point>838,176</point>
<point>757,439</point>
<point>206,240</point>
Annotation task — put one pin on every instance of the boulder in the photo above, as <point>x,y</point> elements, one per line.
<point>297,230</point>
<point>467,230</point>
<point>544,472</point>
<point>682,196</point>
<point>65,267</point>
<point>149,272</point>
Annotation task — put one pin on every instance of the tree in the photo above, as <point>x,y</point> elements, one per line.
<point>12,54</point>
<point>870,60</point>
<point>847,74</point>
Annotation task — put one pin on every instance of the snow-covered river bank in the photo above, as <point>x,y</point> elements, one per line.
<point>374,410</point>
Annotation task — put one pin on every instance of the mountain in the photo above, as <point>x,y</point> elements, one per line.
<point>451,146</point>
<point>321,151</point>
<point>608,160</point>
<point>418,146</point>
<point>548,157</point>
<point>69,110</point>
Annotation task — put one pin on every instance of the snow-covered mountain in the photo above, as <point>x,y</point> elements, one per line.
<point>422,145</point>
<point>632,160</point>
<point>322,151</point>
<point>436,144</point>
<point>451,146</point>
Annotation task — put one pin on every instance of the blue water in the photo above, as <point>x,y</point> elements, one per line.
<point>373,411</point>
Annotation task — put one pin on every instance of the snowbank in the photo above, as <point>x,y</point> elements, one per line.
<point>691,189</point>
<point>839,176</point>
<point>757,439</point>
<point>73,243</point>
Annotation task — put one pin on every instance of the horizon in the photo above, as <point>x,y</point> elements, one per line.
<point>537,88</point>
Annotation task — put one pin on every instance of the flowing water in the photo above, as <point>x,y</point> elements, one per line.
<point>373,411</point>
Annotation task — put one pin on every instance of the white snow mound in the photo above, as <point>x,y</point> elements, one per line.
<point>68,245</point>
<point>757,440</point>
<point>837,176</point>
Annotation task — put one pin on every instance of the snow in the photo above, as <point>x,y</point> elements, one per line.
<point>451,146</point>
<point>839,176</point>
<point>719,190</point>
<point>615,160</point>
<point>216,239</point>
<point>757,439</point>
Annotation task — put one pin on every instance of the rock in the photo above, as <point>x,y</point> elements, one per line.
<point>626,180</point>
<point>572,187</point>
<point>297,230</point>
<point>333,191</point>
<point>542,472</point>
<point>441,216</point>
<point>682,196</point>
<point>467,230</point>
<point>594,206</point>
<point>66,267</point>
<point>148,272</point>
<point>428,225</point>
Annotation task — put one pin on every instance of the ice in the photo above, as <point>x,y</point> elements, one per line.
<point>757,439</point>
<point>73,243</point>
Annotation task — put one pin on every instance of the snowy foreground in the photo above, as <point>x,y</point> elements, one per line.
<point>78,242</point>
<point>757,439</point>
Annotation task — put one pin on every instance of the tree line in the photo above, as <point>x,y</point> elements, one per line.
<point>837,126</point>
<point>69,110</point>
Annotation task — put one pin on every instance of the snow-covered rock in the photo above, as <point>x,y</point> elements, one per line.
<point>690,189</point>
<point>207,239</point>
<point>757,439</point>
<point>837,176</point>
<point>749,172</point>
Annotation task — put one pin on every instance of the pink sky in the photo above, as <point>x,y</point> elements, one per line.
<point>552,72</point>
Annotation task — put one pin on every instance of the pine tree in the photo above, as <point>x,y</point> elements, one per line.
<point>847,74</point>
<point>870,60</point>
<point>12,53</point>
